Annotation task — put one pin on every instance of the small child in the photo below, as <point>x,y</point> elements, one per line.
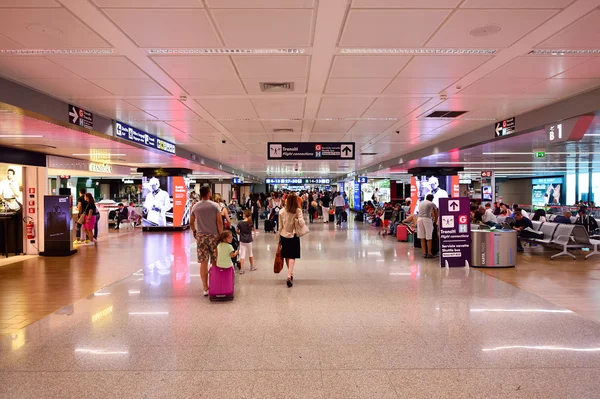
<point>244,230</point>
<point>225,250</point>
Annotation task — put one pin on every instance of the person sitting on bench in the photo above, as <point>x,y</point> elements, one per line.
<point>521,224</point>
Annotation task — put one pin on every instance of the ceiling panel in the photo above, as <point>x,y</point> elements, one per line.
<point>498,86</point>
<point>229,108</point>
<point>358,138</point>
<point>253,67</point>
<point>286,137</point>
<point>131,87</point>
<point>394,107</point>
<point>390,28</point>
<point>104,67</point>
<point>253,85</point>
<point>455,32</point>
<point>558,88</point>
<point>178,28</point>
<point>348,66</point>
<point>460,104</point>
<point>156,104</point>
<point>29,3</point>
<point>405,3</point>
<point>47,28</point>
<point>256,28</point>
<point>590,69</point>
<point>326,137</point>
<point>29,67</point>
<point>279,108</point>
<point>507,108</point>
<point>343,107</point>
<point>180,115</point>
<point>243,126</point>
<point>6,43</point>
<point>194,127</point>
<point>442,66</point>
<point>419,85</point>
<point>537,67</point>
<point>418,127</point>
<point>356,85</point>
<point>261,3</point>
<point>212,87</point>
<point>148,3</point>
<point>123,115</point>
<point>370,127</point>
<point>74,87</point>
<point>197,67</point>
<point>105,104</point>
<point>516,4</point>
<point>582,34</point>
<point>332,126</point>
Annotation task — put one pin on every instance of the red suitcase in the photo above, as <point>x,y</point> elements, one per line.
<point>401,233</point>
<point>220,284</point>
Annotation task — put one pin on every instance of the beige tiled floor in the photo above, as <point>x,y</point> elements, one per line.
<point>366,318</point>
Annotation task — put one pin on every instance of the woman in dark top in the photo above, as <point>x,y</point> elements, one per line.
<point>90,218</point>
<point>311,208</point>
<point>539,216</point>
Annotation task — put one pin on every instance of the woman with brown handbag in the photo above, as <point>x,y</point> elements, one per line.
<point>291,228</point>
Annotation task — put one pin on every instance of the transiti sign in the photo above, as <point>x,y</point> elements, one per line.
<point>140,137</point>
<point>505,127</point>
<point>81,117</point>
<point>311,151</point>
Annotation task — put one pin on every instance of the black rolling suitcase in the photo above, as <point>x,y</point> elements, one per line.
<point>435,244</point>
<point>269,226</point>
<point>344,217</point>
<point>332,217</point>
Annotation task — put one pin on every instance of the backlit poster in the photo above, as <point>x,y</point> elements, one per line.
<point>166,201</point>
<point>439,186</point>
<point>11,188</point>
<point>57,226</point>
<point>547,191</point>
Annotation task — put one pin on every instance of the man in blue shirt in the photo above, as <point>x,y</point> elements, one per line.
<point>520,225</point>
<point>565,218</point>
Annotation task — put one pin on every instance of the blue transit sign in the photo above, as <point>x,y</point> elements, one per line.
<point>138,136</point>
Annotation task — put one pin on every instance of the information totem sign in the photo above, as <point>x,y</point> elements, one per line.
<point>455,232</point>
<point>57,226</point>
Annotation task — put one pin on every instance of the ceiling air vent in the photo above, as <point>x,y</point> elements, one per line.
<point>283,130</point>
<point>276,87</point>
<point>368,153</point>
<point>446,114</point>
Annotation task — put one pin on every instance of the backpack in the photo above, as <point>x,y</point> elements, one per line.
<point>275,211</point>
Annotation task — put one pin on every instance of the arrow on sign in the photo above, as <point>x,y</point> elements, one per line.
<point>453,206</point>
<point>498,129</point>
<point>347,150</point>
<point>74,115</point>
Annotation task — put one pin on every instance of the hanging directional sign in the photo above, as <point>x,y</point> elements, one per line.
<point>140,137</point>
<point>81,117</point>
<point>570,129</point>
<point>505,127</point>
<point>310,151</point>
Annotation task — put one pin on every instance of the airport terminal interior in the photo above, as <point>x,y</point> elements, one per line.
<point>299,199</point>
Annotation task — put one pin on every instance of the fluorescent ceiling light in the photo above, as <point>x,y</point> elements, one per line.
<point>18,136</point>
<point>565,52</point>
<point>547,348</point>
<point>455,119</point>
<point>541,163</point>
<point>149,313</point>
<point>159,51</point>
<point>418,51</point>
<point>100,155</point>
<point>547,153</point>
<point>524,310</point>
<point>593,135</point>
<point>56,51</point>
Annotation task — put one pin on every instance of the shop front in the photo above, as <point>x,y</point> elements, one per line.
<point>19,209</point>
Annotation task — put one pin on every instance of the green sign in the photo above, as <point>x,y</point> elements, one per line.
<point>540,154</point>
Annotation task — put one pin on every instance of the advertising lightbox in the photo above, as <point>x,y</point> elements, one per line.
<point>547,191</point>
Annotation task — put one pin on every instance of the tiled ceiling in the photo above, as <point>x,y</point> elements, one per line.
<point>350,81</point>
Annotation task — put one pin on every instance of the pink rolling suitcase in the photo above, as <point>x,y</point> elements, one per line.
<point>220,284</point>
<point>401,232</point>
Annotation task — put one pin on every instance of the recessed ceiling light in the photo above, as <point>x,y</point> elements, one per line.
<point>56,51</point>
<point>18,136</point>
<point>188,51</point>
<point>565,52</point>
<point>484,31</point>
<point>418,51</point>
<point>100,155</point>
<point>44,30</point>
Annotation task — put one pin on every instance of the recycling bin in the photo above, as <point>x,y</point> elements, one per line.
<point>493,248</point>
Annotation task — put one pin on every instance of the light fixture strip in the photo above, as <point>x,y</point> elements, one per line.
<point>565,52</point>
<point>56,51</point>
<point>234,51</point>
<point>419,51</point>
<point>18,136</point>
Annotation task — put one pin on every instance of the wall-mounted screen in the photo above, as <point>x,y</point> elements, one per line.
<point>166,201</point>
<point>547,191</point>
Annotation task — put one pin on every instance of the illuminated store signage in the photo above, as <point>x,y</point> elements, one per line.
<point>139,137</point>
<point>100,168</point>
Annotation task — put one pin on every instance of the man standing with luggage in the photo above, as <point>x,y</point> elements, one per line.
<point>340,206</point>
<point>206,223</point>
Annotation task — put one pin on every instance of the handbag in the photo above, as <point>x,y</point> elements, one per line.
<point>81,219</point>
<point>278,263</point>
<point>301,231</point>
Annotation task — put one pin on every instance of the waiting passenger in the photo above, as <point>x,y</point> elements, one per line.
<point>488,216</point>
<point>586,221</point>
<point>565,218</point>
<point>539,216</point>
<point>521,224</point>
<point>122,214</point>
<point>523,212</point>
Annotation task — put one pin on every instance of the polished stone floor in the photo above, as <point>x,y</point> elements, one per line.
<point>366,318</point>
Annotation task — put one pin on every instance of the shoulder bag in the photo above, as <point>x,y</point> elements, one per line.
<point>300,230</point>
<point>81,219</point>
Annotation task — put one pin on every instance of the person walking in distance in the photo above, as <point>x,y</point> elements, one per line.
<point>90,218</point>
<point>425,225</point>
<point>325,202</point>
<point>340,205</point>
<point>81,207</point>
<point>290,219</point>
<point>206,223</point>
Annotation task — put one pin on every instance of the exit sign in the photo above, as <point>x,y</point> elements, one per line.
<point>540,154</point>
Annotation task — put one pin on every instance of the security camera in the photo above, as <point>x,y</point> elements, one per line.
<point>397,131</point>
<point>458,87</point>
<point>223,141</point>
